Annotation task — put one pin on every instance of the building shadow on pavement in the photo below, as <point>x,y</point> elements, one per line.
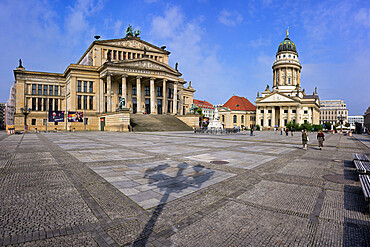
<point>168,185</point>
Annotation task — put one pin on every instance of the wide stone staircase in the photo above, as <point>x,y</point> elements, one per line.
<point>146,122</point>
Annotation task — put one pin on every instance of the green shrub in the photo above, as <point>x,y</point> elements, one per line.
<point>258,127</point>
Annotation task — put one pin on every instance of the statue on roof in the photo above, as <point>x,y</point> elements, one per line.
<point>129,31</point>
<point>267,88</point>
<point>20,63</point>
<point>258,94</point>
<point>137,33</point>
<point>176,65</point>
<point>315,90</point>
<point>287,32</point>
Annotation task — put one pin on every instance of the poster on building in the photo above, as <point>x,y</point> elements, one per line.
<point>75,116</point>
<point>56,116</point>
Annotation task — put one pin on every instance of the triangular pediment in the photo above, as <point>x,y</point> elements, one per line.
<point>132,42</point>
<point>145,64</point>
<point>276,97</point>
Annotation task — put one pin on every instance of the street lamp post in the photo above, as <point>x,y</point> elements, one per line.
<point>25,112</point>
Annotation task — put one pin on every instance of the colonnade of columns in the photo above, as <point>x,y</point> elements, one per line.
<point>278,76</point>
<point>139,95</point>
<point>281,117</point>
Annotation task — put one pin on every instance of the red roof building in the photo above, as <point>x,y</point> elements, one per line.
<point>207,108</point>
<point>237,103</point>
<point>238,112</point>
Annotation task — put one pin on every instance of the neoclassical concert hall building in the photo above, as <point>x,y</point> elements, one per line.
<point>109,70</point>
<point>287,101</point>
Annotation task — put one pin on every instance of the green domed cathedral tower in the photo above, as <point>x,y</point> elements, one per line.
<point>286,101</point>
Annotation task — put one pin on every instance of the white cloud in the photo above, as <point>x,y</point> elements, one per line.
<point>230,18</point>
<point>165,27</point>
<point>363,17</point>
<point>118,28</point>
<point>260,42</point>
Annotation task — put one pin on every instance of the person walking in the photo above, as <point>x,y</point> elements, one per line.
<point>252,131</point>
<point>321,139</point>
<point>286,131</point>
<point>291,130</point>
<point>304,139</point>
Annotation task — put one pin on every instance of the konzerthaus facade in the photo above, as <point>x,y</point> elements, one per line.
<point>287,101</point>
<point>109,70</point>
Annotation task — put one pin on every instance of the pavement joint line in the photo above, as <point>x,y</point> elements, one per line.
<point>314,216</point>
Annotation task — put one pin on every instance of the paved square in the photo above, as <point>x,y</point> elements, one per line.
<point>180,189</point>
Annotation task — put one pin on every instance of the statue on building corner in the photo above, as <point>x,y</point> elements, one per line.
<point>315,90</point>
<point>176,65</point>
<point>137,33</point>
<point>258,94</point>
<point>20,63</point>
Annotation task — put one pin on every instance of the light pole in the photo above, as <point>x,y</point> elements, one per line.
<point>25,112</point>
<point>46,114</point>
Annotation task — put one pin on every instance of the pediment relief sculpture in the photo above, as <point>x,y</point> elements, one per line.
<point>132,44</point>
<point>276,98</point>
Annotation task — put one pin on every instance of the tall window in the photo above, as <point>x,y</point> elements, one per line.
<point>91,87</point>
<point>78,86</point>
<point>45,89</point>
<point>34,104</point>
<point>114,54</point>
<point>120,88</point>
<point>128,55</point>
<point>85,102</point>
<point>91,102</point>
<point>39,105</point>
<point>123,55</point>
<point>56,90</point>
<point>147,91</point>
<point>133,90</point>
<point>105,104</point>
<point>50,105</point>
<point>159,91</point>
<point>79,102</point>
<point>119,55</point>
<point>288,80</point>
<point>242,119</point>
<point>39,89</point>
<point>50,90</point>
<point>235,118</point>
<point>56,105</point>
<point>85,86</point>
<point>223,118</point>
<point>33,89</point>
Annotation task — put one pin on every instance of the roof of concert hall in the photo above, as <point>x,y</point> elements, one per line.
<point>237,103</point>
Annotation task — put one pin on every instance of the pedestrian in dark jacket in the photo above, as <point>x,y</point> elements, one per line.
<point>320,139</point>
<point>304,139</point>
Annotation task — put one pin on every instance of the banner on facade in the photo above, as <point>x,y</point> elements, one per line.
<point>75,116</point>
<point>56,116</point>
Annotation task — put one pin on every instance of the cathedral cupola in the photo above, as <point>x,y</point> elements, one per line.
<point>287,45</point>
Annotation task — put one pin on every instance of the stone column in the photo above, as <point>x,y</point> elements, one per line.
<point>265,116</point>
<point>257,116</point>
<point>175,98</point>
<point>297,114</point>
<point>289,111</point>
<point>164,98</point>
<point>124,88</point>
<point>286,76</point>
<point>273,117</point>
<point>274,77</point>
<point>109,92</point>
<point>152,96</point>
<point>100,96</point>
<point>299,77</point>
<point>138,89</point>
<point>281,116</point>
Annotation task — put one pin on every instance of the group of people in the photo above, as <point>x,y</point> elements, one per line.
<point>320,138</point>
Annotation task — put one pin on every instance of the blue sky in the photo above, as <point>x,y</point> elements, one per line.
<point>223,47</point>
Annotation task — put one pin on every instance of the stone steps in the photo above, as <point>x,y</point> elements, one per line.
<point>148,123</point>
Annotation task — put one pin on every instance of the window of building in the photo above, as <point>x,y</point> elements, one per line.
<point>33,121</point>
<point>242,119</point>
<point>147,91</point>
<point>50,90</point>
<point>56,90</point>
<point>55,123</point>
<point>223,118</point>
<point>86,121</point>
<point>120,88</point>
<point>235,118</point>
<point>85,102</point>
<point>119,55</point>
<point>294,111</point>
<point>56,105</point>
<point>262,111</point>
<point>78,86</point>
<point>285,122</point>
<point>50,105</point>
<point>283,55</point>
<point>285,111</point>
<point>39,105</point>
<point>305,121</point>
<point>91,102</point>
<point>305,112</point>
<point>105,87</point>
<point>39,89</point>
<point>79,104</point>
<point>91,86</point>
<point>33,104</point>
<point>170,93</point>
<point>114,54</point>
<point>134,90</point>
<point>33,89</point>
<point>269,111</point>
<point>290,56</point>
<point>288,80</point>
<point>85,86</point>
<point>123,55</point>
<point>159,91</point>
<point>45,89</point>
<point>128,55</point>
<point>105,104</point>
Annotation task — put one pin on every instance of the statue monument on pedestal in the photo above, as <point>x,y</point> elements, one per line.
<point>215,123</point>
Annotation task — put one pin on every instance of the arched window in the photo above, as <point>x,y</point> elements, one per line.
<point>242,119</point>
<point>234,118</point>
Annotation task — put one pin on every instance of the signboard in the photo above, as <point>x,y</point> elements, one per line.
<point>75,116</point>
<point>56,116</point>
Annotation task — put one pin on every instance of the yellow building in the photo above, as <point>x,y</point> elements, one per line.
<point>238,112</point>
<point>110,70</point>
<point>287,101</point>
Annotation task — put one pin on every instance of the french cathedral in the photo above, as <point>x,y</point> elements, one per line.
<point>286,101</point>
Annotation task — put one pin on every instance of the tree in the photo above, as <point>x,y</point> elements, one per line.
<point>306,126</point>
<point>328,125</point>
<point>293,125</point>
